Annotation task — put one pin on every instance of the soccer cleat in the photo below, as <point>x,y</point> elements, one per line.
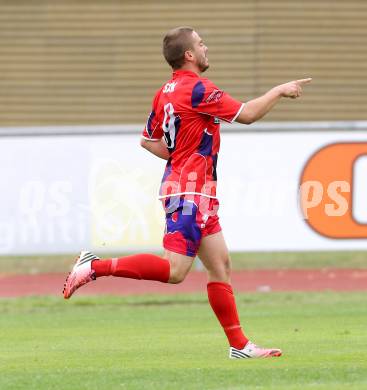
<point>251,351</point>
<point>81,273</point>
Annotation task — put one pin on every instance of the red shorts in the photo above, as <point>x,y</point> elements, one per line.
<point>189,218</point>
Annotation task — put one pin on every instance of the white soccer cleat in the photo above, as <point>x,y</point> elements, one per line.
<point>251,351</point>
<point>81,273</point>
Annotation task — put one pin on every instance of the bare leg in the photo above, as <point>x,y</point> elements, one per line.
<point>214,254</point>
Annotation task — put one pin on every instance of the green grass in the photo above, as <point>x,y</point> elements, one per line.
<point>282,260</point>
<point>241,260</point>
<point>174,342</point>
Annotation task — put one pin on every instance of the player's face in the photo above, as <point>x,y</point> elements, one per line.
<point>200,52</point>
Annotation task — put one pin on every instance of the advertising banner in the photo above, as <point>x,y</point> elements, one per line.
<point>278,191</point>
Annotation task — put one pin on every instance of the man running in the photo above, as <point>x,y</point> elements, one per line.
<point>183,128</point>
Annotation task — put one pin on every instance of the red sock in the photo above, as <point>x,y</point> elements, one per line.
<point>222,301</point>
<point>142,266</point>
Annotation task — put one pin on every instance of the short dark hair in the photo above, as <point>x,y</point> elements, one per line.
<point>175,43</point>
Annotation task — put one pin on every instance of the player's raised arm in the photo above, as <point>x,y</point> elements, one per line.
<point>255,109</point>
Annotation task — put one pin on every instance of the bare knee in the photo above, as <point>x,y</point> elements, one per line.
<point>178,271</point>
<point>227,266</point>
<point>176,278</point>
<point>220,271</point>
<point>177,274</point>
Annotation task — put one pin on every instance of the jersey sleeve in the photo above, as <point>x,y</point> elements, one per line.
<point>207,98</point>
<point>153,130</point>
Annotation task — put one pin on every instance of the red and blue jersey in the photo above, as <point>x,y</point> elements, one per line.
<point>187,111</point>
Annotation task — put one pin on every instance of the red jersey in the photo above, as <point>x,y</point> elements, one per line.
<point>187,111</point>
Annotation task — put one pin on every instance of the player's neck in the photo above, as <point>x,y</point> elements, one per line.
<point>191,68</point>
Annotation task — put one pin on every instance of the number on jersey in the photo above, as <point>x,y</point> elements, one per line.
<point>170,126</point>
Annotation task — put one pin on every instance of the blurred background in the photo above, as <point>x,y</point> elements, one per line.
<point>99,62</point>
<point>76,83</point>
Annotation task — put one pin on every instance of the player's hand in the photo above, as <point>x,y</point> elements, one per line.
<point>293,89</point>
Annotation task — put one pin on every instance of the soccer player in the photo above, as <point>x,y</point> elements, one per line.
<point>183,128</point>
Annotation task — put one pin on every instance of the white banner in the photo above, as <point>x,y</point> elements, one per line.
<point>65,193</point>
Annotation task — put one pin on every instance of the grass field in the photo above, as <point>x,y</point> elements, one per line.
<point>174,342</point>
<point>240,260</point>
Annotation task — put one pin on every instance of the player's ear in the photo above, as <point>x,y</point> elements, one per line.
<point>189,55</point>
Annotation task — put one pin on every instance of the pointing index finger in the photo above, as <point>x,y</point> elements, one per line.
<point>304,81</point>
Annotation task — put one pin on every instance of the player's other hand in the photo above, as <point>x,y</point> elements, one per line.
<point>293,89</point>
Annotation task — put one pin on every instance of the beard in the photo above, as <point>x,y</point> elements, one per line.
<point>203,65</point>
<point>203,68</point>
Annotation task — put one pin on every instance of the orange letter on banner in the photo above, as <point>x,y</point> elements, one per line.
<point>332,166</point>
<point>313,188</point>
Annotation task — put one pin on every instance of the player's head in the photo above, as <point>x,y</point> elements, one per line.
<point>182,47</point>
